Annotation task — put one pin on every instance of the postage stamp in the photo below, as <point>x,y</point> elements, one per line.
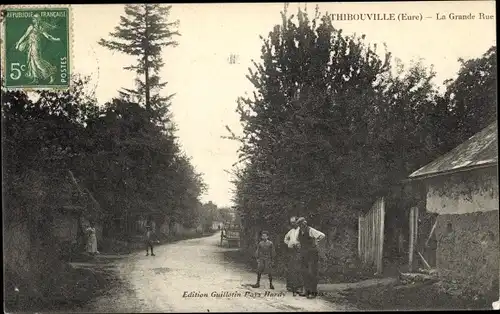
<point>37,48</point>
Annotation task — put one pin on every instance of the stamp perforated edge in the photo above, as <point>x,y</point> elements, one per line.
<point>70,44</point>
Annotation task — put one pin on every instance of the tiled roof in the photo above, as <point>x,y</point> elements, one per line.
<point>479,150</point>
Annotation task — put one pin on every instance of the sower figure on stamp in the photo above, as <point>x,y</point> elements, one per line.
<point>31,44</point>
<point>309,239</point>
<point>294,277</point>
<point>265,255</point>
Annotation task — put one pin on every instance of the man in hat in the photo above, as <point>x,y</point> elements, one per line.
<point>294,279</point>
<point>309,239</point>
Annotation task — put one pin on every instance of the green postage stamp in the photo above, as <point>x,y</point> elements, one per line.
<point>37,48</point>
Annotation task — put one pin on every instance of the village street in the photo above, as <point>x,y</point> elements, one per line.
<point>159,283</point>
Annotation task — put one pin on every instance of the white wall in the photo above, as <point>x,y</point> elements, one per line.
<point>467,192</point>
<point>216,224</point>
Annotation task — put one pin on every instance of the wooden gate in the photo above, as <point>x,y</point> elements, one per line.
<point>422,250</point>
<point>371,235</point>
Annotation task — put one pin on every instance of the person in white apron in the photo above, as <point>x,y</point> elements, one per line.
<point>293,279</point>
<point>92,239</point>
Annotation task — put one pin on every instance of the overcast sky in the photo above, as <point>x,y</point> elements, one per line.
<point>207,86</point>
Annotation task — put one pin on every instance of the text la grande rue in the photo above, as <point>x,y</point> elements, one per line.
<point>469,16</point>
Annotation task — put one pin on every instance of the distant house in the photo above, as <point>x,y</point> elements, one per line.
<point>217,225</point>
<point>462,189</point>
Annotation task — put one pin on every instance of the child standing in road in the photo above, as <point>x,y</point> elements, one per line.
<point>149,237</point>
<point>265,255</point>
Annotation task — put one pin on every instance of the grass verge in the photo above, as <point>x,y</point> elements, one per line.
<point>65,289</point>
<point>409,297</point>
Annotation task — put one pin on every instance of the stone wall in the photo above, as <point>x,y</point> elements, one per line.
<point>17,247</point>
<point>468,251</point>
<point>467,231</point>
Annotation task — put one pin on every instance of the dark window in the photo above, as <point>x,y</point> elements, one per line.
<point>449,228</point>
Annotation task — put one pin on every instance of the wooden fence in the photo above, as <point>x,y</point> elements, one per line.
<point>371,235</point>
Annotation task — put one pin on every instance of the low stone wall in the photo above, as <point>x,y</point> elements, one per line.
<point>468,251</point>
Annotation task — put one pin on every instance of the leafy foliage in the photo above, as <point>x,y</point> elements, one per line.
<point>300,127</point>
<point>332,124</point>
<point>129,163</point>
<point>470,100</point>
<point>150,165</point>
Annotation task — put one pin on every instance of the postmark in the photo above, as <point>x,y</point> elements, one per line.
<point>37,48</point>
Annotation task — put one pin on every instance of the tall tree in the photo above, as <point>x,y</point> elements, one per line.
<point>329,127</point>
<point>143,32</point>
<point>470,101</point>
<point>308,111</point>
<point>189,186</point>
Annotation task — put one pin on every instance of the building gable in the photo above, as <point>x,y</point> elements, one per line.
<point>481,150</point>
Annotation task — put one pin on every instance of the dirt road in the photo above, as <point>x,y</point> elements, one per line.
<point>196,267</point>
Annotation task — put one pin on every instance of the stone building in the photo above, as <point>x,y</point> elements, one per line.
<point>462,189</point>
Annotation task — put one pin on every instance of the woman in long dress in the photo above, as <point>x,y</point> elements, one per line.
<point>91,239</point>
<point>37,67</point>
